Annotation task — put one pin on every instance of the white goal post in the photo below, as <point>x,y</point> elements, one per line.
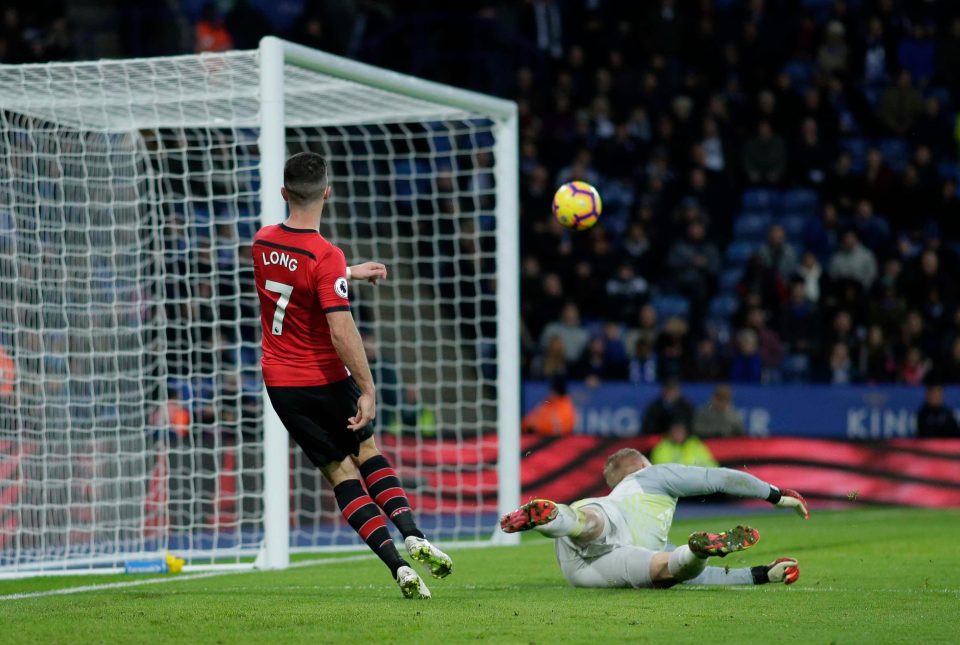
<point>133,421</point>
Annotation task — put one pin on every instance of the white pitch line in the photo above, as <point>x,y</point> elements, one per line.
<point>176,578</point>
<point>695,588</point>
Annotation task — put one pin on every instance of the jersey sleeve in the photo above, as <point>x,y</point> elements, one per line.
<point>331,282</point>
<point>690,481</point>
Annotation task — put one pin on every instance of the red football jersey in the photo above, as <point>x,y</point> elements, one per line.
<point>300,278</point>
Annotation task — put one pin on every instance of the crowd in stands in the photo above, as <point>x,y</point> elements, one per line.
<point>780,183</point>
<point>779,176</point>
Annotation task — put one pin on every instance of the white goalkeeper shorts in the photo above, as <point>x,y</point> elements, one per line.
<point>624,566</point>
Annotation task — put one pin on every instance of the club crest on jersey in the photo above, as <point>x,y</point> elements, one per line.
<point>340,287</point>
<point>277,257</point>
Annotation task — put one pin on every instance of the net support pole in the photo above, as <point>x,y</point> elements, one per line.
<point>506,154</point>
<point>275,552</point>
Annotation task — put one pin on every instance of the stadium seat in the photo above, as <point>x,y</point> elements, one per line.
<point>719,329</point>
<point>794,226</point>
<point>795,368</point>
<point>857,148</point>
<point>729,279</point>
<point>723,307</point>
<point>895,152</point>
<point>671,306</point>
<point>740,251</point>
<point>942,94</point>
<point>948,170</point>
<point>800,72</point>
<point>801,201</point>
<point>760,199</point>
<point>752,226</point>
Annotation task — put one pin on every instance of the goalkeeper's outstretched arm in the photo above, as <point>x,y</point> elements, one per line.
<point>691,481</point>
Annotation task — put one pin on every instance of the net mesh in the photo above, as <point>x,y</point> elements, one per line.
<point>130,394</point>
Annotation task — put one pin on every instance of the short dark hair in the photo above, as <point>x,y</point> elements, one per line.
<point>305,177</point>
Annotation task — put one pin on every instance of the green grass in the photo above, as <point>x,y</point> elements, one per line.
<point>867,577</point>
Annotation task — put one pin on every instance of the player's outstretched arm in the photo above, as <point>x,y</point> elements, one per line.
<point>693,481</point>
<point>349,346</point>
<point>369,271</point>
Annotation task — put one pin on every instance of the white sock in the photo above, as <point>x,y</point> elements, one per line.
<point>685,564</point>
<point>567,523</point>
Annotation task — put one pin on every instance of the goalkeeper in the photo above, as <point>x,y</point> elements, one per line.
<point>620,540</point>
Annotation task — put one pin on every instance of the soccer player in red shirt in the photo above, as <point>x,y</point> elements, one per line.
<point>317,374</point>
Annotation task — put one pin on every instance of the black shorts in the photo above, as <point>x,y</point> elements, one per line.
<point>317,417</point>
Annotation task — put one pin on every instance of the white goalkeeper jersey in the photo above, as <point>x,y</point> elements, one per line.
<point>640,509</point>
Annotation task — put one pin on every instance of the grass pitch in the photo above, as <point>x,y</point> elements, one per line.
<point>873,576</point>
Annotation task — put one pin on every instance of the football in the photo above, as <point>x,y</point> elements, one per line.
<point>577,205</point>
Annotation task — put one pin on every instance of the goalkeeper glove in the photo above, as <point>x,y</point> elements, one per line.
<point>792,499</point>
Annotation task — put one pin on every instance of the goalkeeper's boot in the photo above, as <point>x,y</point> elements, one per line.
<point>411,585</point>
<point>785,570</point>
<point>532,514</point>
<point>422,551</point>
<point>720,544</point>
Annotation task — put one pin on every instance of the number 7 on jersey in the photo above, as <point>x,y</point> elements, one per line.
<point>285,291</point>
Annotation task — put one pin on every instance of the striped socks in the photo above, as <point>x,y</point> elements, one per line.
<point>365,518</point>
<point>386,491</point>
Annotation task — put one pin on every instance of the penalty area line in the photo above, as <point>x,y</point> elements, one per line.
<point>175,578</point>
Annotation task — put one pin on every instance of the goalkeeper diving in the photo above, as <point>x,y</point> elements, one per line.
<point>621,540</point>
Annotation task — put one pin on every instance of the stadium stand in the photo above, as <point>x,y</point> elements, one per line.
<point>832,120</point>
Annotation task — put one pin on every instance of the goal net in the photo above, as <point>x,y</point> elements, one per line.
<point>132,415</point>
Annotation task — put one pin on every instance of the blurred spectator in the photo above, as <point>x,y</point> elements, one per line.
<point>934,419</point>
<point>8,376</point>
<point>693,263</point>
<point>833,53</point>
<point>811,159</point>
<point>628,291</point>
<point>385,375</point>
<point>552,361</point>
<point>598,364</point>
<point>747,367</point>
<point>800,322</point>
<point>853,261</point>
<point>173,417</point>
<point>639,251</point>
<point>568,329</point>
<point>900,105</point>
<point>916,52</point>
<point>914,368</point>
<point>811,273</point>
<point>247,24</point>
<point>717,418</point>
<point>769,346</point>
<point>555,415</point>
<point>671,349</point>
<point>643,364</point>
<point>678,447</point>
<point>765,156</point>
<point>414,417</point>
<point>777,254</point>
<point>212,34</point>
<point>948,57</point>
<point>877,364</point>
<point>668,408</point>
<point>646,326</point>
<point>873,231</point>
<point>950,370</point>
<point>840,369</point>
<point>877,57</point>
<point>706,364</point>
